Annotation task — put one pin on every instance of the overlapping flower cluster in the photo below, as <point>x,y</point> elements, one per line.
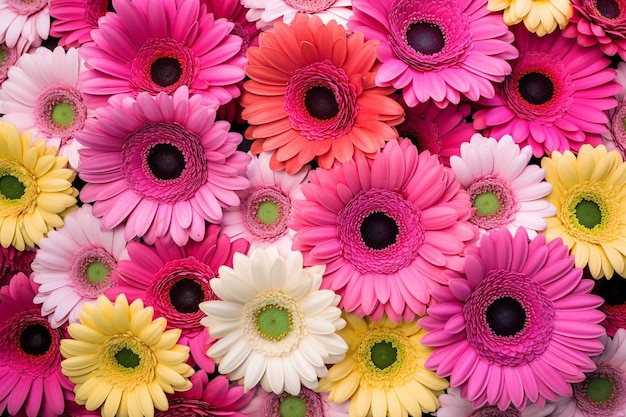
<point>312,208</point>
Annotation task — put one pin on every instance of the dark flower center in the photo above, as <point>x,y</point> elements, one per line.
<point>506,316</point>
<point>492,411</point>
<point>11,187</point>
<point>588,213</point>
<point>425,38</point>
<point>127,358</point>
<point>321,102</point>
<point>383,355</point>
<point>608,8</point>
<point>379,231</point>
<point>166,71</point>
<point>186,295</point>
<point>166,162</point>
<point>536,88</point>
<point>36,340</point>
<point>599,389</point>
<point>292,406</point>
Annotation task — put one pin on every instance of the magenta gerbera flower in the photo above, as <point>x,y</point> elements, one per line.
<point>73,20</point>
<point>386,229</point>
<point>555,98</point>
<point>162,164</point>
<point>160,46</point>
<point>518,327</point>
<point>13,261</point>
<point>436,49</point>
<point>174,280</point>
<point>30,359</point>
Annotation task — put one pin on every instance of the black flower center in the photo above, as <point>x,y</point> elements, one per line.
<point>506,316</point>
<point>379,231</point>
<point>185,295</point>
<point>11,187</point>
<point>425,38</point>
<point>383,355</point>
<point>588,213</point>
<point>608,8</point>
<point>536,88</point>
<point>127,358</point>
<point>166,71</point>
<point>321,103</point>
<point>36,340</point>
<point>166,162</point>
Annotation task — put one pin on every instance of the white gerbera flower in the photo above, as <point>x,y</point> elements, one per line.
<point>274,324</point>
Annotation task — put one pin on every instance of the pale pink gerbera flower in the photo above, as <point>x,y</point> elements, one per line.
<point>174,280</point>
<point>267,12</point>
<point>555,98</point>
<point>73,20</point>
<point>30,359</point>
<point>614,136</point>
<point>436,49</point>
<point>266,208</point>
<point>74,265</point>
<point>24,22</point>
<point>48,101</point>
<point>269,404</point>
<point>162,164</point>
<point>386,229</point>
<point>8,58</point>
<point>158,46</point>
<point>454,405</point>
<point>504,189</point>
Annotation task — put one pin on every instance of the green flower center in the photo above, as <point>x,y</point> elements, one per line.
<point>96,272</point>
<point>487,203</point>
<point>599,389</point>
<point>383,355</point>
<point>268,212</point>
<point>1,55</point>
<point>292,406</point>
<point>273,322</point>
<point>62,114</point>
<point>127,358</point>
<point>588,213</point>
<point>11,187</point>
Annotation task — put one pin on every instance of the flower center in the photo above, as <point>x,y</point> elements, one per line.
<point>186,295</point>
<point>292,406</point>
<point>268,212</point>
<point>494,201</point>
<point>62,114</point>
<point>599,389</point>
<point>425,38</point>
<point>166,71</point>
<point>96,272</point>
<point>383,355</point>
<point>608,8</point>
<point>166,161</point>
<point>588,213</point>
<point>486,203</point>
<point>506,316</point>
<point>27,7</point>
<point>127,361</point>
<point>11,187</point>
<point>491,411</point>
<point>618,126</point>
<point>273,322</point>
<point>321,103</point>
<point>127,358</point>
<point>310,6</point>
<point>91,270</point>
<point>536,88</point>
<point>35,340</point>
<point>379,231</point>
<point>18,188</point>
<point>602,393</point>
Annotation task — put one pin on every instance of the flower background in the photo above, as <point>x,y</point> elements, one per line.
<point>313,208</point>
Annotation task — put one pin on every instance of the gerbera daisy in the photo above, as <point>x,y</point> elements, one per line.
<point>266,208</point>
<point>8,58</point>
<point>75,264</point>
<point>266,13</point>
<point>518,327</point>
<point>162,164</point>
<point>504,189</point>
<point>382,373</point>
<point>30,360</point>
<point>273,323</point>
<point>13,261</point>
<point>174,280</point>
<point>555,98</point>
<point>599,24</point>
<point>540,17</point>
<point>307,403</point>
<point>614,136</point>
<point>439,131</point>
<point>613,291</point>
<point>35,188</point>
<point>47,102</point>
<point>235,11</point>
<point>159,47</point>
<point>73,20</point>
<point>588,192</point>
<point>121,359</point>
<point>25,22</point>
<point>436,49</point>
<point>603,392</point>
<point>386,229</point>
<point>308,101</point>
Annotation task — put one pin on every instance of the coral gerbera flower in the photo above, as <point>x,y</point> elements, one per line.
<point>436,49</point>
<point>540,17</point>
<point>383,371</point>
<point>504,189</point>
<point>267,12</point>
<point>175,280</point>
<point>74,265</point>
<point>30,361</point>
<point>121,359</point>
<point>307,403</point>
<point>13,261</point>
<point>386,229</point>
<point>311,102</point>
<point>614,136</point>
<point>24,22</point>
<point>35,188</point>
<point>159,47</point>
<point>162,164</point>
<point>73,20</point>
<point>454,405</point>
<point>519,326</point>
<point>588,192</point>
<point>273,323</point>
<point>555,98</point>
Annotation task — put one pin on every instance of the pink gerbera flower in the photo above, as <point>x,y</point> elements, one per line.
<point>454,405</point>
<point>614,136</point>
<point>8,58</point>
<point>73,20</point>
<point>160,46</point>
<point>24,22</point>
<point>518,327</point>
<point>386,229</point>
<point>30,359</point>
<point>235,11</point>
<point>267,12</point>
<point>269,404</point>
<point>436,49</point>
<point>162,164</point>
<point>13,261</point>
<point>174,280</point>
<point>555,98</point>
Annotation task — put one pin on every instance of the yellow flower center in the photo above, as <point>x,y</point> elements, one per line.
<point>18,188</point>
<point>127,361</point>
<point>590,213</point>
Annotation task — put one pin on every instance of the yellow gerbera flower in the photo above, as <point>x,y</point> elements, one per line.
<point>539,16</point>
<point>383,372</point>
<point>121,359</point>
<point>35,188</point>
<point>589,193</point>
